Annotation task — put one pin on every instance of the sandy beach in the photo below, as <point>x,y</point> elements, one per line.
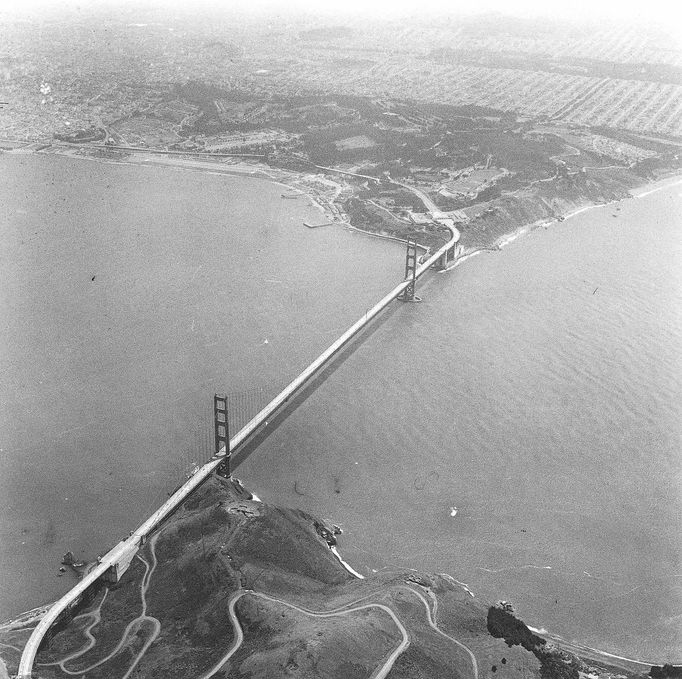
<point>301,183</point>
<point>298,182</point>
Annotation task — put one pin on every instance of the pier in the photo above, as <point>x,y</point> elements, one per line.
<point>317,226</point>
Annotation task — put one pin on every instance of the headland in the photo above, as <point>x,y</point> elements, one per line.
<point>232,586</point>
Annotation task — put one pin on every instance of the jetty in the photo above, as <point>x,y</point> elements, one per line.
<point>317,226</point>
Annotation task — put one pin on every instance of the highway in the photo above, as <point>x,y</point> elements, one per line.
<point>122,554</point>
<point>428,203</point>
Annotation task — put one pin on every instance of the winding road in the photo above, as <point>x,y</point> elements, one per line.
<point>351,607</point>
<point>96,615</point>
<point>135,625</point>
<point>434,626</point>
<point>380,673</point>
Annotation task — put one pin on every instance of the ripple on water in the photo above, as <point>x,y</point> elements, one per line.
<point>551,416</point>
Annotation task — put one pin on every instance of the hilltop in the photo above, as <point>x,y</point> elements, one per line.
<point>234,587</point>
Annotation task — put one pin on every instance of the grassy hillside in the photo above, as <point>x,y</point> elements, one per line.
<point>233,588</point>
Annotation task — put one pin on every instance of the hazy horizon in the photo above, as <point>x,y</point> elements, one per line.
<point>660,12</point>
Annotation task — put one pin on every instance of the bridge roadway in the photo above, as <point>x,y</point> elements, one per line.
<point>117,560</point>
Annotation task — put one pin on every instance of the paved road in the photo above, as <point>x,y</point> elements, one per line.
<point>428,203</point>
<point>351,607</point>
<point>124,552</point>
<point>239,634</point>
<point>95,616</point>
<point>379,673</point>
<point>433,625</point>
<point>133,626</point>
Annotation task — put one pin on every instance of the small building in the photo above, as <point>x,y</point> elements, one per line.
<point>420,218</point>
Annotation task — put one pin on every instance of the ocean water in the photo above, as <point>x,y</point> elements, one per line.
<point>128,296</point>
<point>519,429</point>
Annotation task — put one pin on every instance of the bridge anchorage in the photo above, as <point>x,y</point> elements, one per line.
<point>222,435</point>
<point>410,273</point>
<point>446,258</point>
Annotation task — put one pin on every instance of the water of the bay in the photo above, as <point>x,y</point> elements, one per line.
<point>128,296</point>
<point>520,430</point>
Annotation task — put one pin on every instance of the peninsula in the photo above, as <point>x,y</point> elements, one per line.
<point>230,586</point>
<point>497,135</point>
<point>484,128</point>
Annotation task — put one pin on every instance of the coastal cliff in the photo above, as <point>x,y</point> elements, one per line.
<point>233,587</point>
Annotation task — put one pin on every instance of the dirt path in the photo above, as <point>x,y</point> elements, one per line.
<point>382,671</point>
<point>433,624</point>
<point>96,615</point>
<point>132,628</point>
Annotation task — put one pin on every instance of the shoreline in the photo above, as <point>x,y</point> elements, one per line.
<point>210,165</point>
<point>239,169</point>
<point>291,180</point>
<point>639,192</point>
<point>583,652</point>
<point>645,190</point>
<point>658,185</point>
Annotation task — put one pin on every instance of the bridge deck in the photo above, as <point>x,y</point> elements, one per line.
<point>121,554</point>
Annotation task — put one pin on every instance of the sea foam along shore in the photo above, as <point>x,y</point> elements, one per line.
<point>346,565</point>
<point>333,548</point>
<point>288,179</point>
<point>639,192</point>
<point>291,180</point>
<point>645,190</point>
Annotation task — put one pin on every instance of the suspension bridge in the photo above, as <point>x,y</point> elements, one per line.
<point>112,566</point>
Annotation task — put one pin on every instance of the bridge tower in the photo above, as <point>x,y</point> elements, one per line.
<point>222,434</point>
<point>410,273</point>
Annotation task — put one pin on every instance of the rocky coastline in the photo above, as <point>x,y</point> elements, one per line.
<point>232,586</point>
